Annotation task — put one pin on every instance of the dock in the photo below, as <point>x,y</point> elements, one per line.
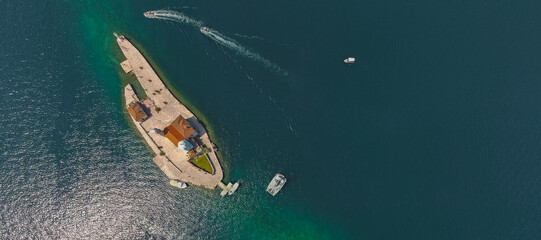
<point>162,109</point>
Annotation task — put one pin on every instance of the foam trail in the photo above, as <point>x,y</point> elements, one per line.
<point>218,38</point>
<point>188,7</point>
<point>235,46</point>
<point>261,39</point>
<point>249,37</point>
<point>177,17</point>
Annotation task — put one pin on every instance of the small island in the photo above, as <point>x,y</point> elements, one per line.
<point>182,145</point>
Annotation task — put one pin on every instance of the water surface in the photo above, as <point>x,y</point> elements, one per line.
<point>432,134</point>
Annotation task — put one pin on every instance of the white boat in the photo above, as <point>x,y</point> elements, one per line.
<point>229,189</point>
<point>233,188</point>
<point>276,184</point>
<point>204,30</point>
<point>349,60</point>
<point>149,14</point>
<point>178,184</point>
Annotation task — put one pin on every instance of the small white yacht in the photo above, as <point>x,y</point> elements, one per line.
<point>349,60</point>
<point>178,184</point>
<point>276,184</point>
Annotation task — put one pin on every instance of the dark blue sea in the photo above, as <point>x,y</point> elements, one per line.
<point>434,132</point>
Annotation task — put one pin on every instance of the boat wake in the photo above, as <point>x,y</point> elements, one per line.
<point>260,39</point>
<point>218,38</point>
<point>241,50</point>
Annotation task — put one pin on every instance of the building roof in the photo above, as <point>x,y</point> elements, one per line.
<point>179,130</point>
<point>185,146</point>
<point>136,111</point>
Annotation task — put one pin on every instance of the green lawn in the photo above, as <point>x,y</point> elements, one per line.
<point>203,163</point>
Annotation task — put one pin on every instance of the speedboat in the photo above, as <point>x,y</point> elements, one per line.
<point>149,14</point>
<point>204,30</point>
<point>349,60</point>
<point>276,184</point>
<point>178,184</point>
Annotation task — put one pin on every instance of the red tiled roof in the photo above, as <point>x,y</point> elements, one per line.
<point>179,130</point>
<point>136,111</point>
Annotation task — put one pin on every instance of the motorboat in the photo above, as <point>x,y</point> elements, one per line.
<point>204,30</point>
<point>233,189</point>
<point>150,14</point>
<point>349,60</point>
<point>178,184</point>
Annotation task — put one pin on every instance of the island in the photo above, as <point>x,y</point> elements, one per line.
<point>183,149</point>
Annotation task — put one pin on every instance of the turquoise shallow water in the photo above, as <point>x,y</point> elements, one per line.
<point>432,134</point>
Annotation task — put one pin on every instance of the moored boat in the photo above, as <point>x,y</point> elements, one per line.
<point>276,184</point>
<point>178,184</point>
<point>349,60</point>
<point>233,188</point>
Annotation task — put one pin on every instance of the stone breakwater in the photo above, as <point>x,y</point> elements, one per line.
<point>162,108</point>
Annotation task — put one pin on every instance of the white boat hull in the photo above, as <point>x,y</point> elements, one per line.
<point>349,60</point>
<point>178,184</point>
<point>276,184</point>
<point>233,189</point>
